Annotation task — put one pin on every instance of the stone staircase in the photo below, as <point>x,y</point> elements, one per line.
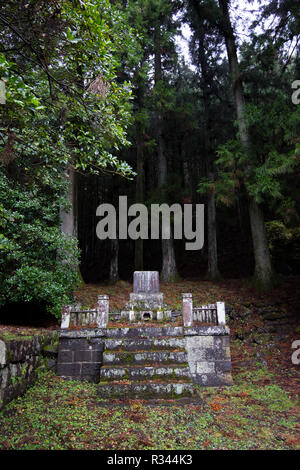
<point>151,365</point>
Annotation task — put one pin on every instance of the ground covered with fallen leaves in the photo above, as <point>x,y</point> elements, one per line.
<point>260,411</point>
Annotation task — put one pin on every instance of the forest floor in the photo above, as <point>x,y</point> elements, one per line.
<point>260,411</point>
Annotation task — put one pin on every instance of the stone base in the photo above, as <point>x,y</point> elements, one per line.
<point>146,315</point>
<point>142,301</point>
<point>196,355</point>
<point>209,359</point>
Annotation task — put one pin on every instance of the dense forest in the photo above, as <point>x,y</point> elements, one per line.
<point>98,100</point>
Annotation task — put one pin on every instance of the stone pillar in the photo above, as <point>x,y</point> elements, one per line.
<point>65,316</point>
<point>131,315</point>
<point>221,313</point>
<point>187,309</point>
<point>102,311</point>
<point>160,315</point>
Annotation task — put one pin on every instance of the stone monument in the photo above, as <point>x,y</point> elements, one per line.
<point>146,302</point>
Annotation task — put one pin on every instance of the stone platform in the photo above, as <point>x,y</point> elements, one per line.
<point>146,362</point>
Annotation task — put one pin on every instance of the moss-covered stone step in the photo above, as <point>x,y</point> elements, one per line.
<point>115,344</point>
<point>144,357</point>
<point>147,390</point>
<point>144,332</point>
<point>171,371</point>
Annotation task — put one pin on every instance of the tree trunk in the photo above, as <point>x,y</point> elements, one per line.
<point>212,251</point>
<point>187,176</point>
<point>139,244</point>
<point>114,262</point>
<point>212,261</point>
<point>69,219</point>
<point>169,270</point>
<point>263,269</point>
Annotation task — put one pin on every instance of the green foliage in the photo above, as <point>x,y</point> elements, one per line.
<point>65,106</point>
<point>60,414</point>
<point>93,124</point>
<point>284,243</point>
<point>231,158</point>
<point>276,398</point>
<point>37,259</point>
<point>277,231</point>
<point>274,154</point>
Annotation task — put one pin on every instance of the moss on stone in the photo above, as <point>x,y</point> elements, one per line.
<point>8,336</point>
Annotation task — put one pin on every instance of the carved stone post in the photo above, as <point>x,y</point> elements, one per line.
<point>102,311</point>
<point>65,316</point>
<point>131,315</point>
<point>221,313</point>
<point>187,309</point>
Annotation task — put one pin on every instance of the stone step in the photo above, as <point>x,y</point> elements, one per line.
<point>138,344</point>
<point>170,371</point>
<point>144,332</point>
<point>144,357</point>
<point>147,390</point>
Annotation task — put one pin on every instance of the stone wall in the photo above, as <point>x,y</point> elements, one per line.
<point>208,352</point>
<point>18,361</point>
<point>80,354</point>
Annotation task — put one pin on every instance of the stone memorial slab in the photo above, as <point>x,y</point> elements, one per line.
<point>146,295</point>
<point>146,282</point>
